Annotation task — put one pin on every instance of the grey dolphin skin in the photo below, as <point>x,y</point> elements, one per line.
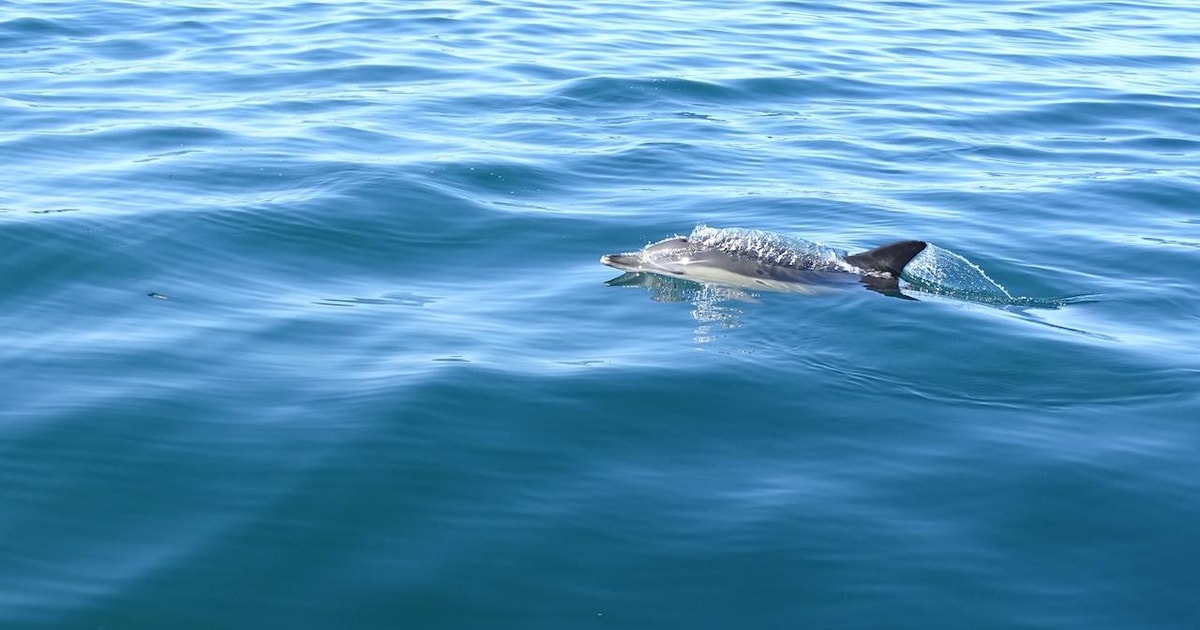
<point>740,263</point>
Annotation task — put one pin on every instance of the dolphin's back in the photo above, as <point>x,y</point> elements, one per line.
<point>889,259</point>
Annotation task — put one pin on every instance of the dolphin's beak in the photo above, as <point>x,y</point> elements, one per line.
<point>624,262</point>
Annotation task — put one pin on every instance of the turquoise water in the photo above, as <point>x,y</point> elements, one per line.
<point>305,325</point>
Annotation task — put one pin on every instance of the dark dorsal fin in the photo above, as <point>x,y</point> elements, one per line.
<point>889,258</point>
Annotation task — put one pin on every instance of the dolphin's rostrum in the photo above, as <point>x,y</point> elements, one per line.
<point>766,261</point>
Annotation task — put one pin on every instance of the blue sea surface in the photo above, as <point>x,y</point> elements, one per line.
<point>304,324</point>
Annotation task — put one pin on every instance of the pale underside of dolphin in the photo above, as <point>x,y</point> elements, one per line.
<point>738,263</point>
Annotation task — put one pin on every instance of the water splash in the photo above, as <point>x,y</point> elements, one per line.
<point>944,272</point>
<point>938,271</point>
<point>770,247</point>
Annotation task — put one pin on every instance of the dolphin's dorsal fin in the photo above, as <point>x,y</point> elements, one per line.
<point>888,258</point>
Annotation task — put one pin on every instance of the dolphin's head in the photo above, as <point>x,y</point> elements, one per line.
<point>654,258</point>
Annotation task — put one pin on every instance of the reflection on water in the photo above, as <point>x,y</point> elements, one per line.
<point>714,307</point>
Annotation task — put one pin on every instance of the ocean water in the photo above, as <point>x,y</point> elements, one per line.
<point>304,325</point>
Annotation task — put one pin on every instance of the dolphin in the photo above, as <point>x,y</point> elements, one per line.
<point>758,260</point>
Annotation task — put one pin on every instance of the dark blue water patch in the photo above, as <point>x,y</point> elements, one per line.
<point>785,89</point>
<point>1095,114</point>
<point>25,33</point>
<point>195,31</point>
<point>41,253</point>
<point>594,92</point>
<point>105,143</point>
<point>129,49</point>
<point>1180,38</point>
<point>1165,146</point>
<point>119,447</point>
